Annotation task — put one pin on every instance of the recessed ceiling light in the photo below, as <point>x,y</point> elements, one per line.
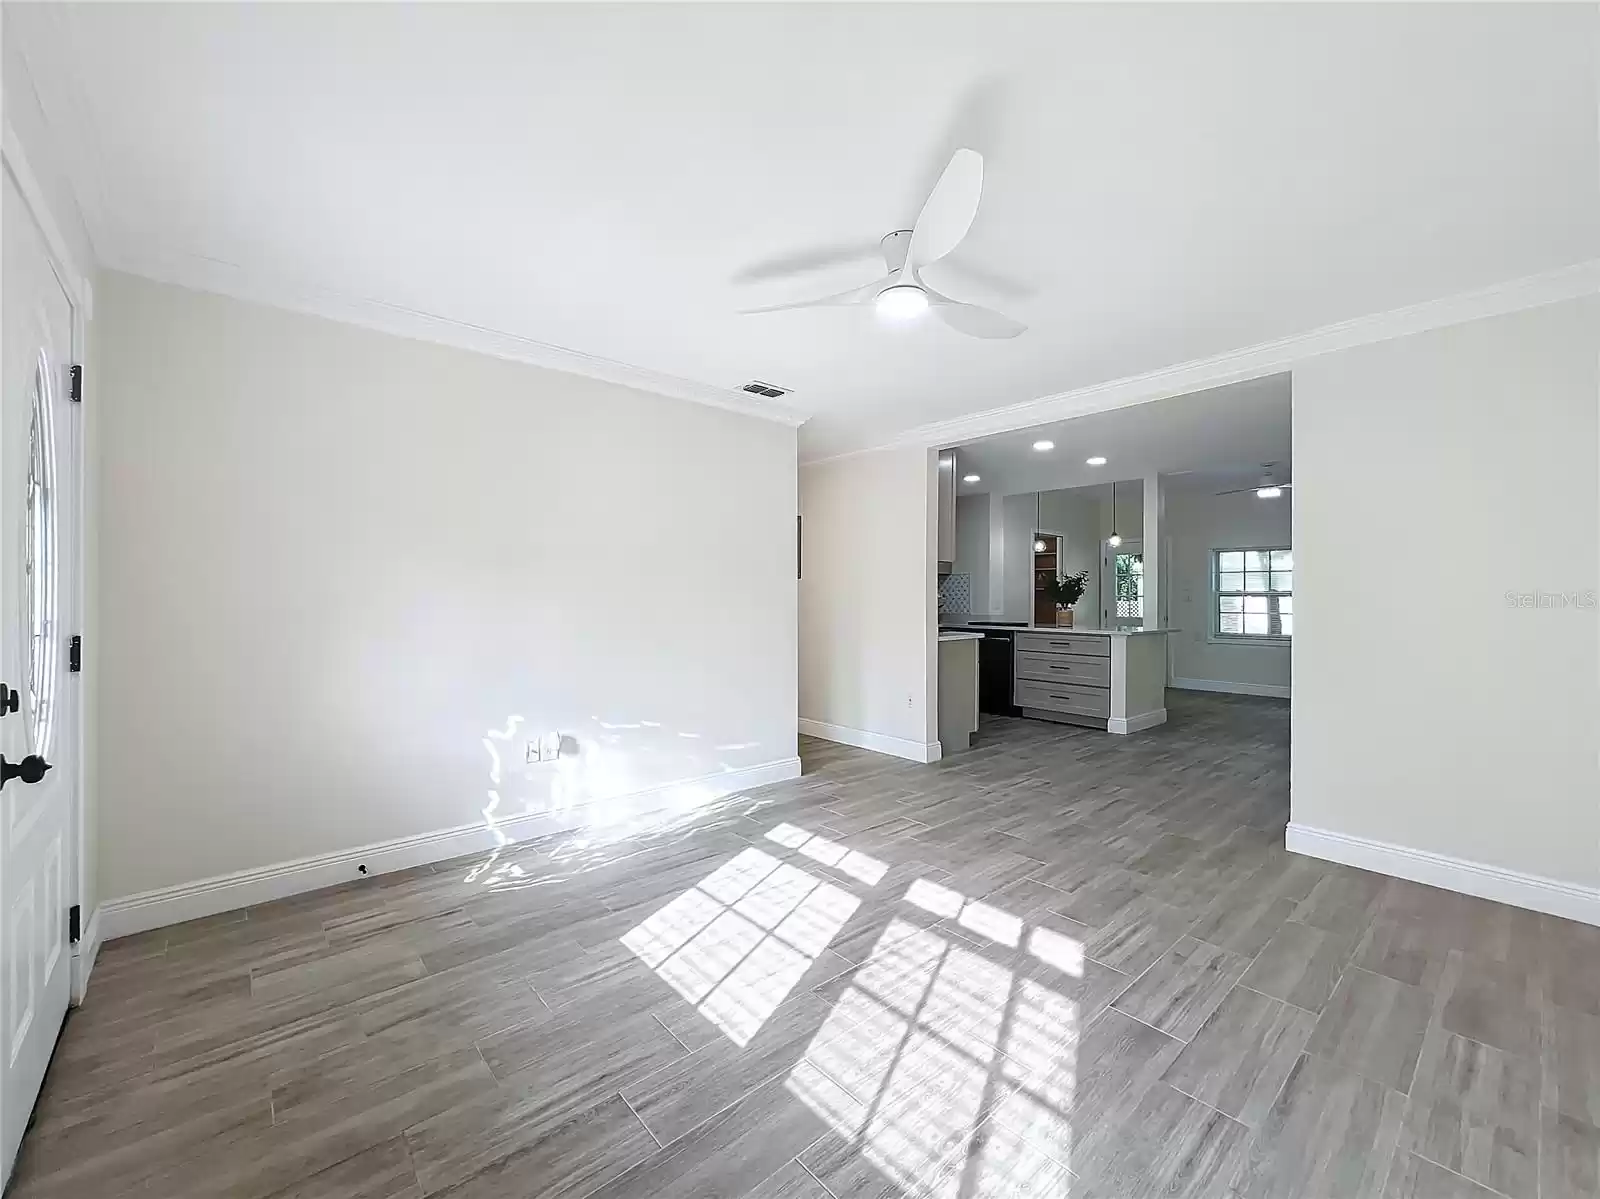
<point>970,478</point>
<point>1095,461</point>
<point>1268,493</point>
<point>1042,446</point>
<point>902,302</point>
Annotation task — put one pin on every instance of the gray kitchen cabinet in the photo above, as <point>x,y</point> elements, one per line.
<point>947,511</point>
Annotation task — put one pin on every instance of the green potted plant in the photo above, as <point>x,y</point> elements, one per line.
<point>1064,591</point>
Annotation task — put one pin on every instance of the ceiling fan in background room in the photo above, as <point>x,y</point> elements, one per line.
<point>901,295</point>
<point>1268,488</point>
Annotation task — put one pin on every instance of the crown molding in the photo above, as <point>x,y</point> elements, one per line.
<point>1267,358</point>
<point>71,272</point>
<point>47,45</point>
<point>228,279</point>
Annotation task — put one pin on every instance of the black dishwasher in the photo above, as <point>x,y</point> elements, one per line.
<point>995,673</point>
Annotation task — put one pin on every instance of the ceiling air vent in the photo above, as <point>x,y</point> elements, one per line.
<point>757,387</point>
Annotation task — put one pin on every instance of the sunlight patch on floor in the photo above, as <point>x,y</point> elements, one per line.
<point>951,1074</point>
<point>859,866</point>
<point>947,1063</point>
<point>737,942</point>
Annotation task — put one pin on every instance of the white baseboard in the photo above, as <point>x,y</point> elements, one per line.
<point>1571,900</point>
<point>900,747</point>
<point>1274,690</point>
<point>85,952</point>
<point>224,893</point>
<point>1134,724</point>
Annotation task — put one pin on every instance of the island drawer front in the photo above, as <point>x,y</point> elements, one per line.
<point>1065,668</point>
<point>1063,697</point>
<point>1064,643</point>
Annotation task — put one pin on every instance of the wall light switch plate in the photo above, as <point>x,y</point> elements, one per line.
<point>550,747</point>
<point>531,755</point>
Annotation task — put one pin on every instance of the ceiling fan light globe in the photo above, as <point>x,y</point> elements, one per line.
<point>1114,540</point>
<point>902,302</point>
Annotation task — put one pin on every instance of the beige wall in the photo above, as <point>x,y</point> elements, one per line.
<point>867,601</point>
<point>1433,475</point>
<point>334,562</point>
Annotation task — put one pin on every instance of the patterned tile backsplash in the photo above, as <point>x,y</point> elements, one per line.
<point>955,593</point>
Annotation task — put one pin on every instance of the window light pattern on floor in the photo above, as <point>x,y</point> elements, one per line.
<point>735,944</point>
<point>934,1042</point>
<point>857,865</point>
<point>951,1073</point>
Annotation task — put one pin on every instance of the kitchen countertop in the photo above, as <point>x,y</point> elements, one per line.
<point>958,635</point>
<point>980,626</point>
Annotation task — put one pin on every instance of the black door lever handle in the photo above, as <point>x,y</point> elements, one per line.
<point>30,770</point>
<point>8,699</point>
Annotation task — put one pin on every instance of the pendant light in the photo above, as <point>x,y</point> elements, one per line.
<point>1116,538</point>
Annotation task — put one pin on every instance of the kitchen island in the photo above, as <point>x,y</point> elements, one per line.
<point>1114,679</point>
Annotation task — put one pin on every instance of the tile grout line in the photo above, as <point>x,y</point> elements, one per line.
<point>670,1033</point>
<point>826,1189</point>
<point>1286,1002</point>
<point>640,1118</point>
<point>1162,1079</point>
<point>1112,1007</point>
<point>1475,1182</point>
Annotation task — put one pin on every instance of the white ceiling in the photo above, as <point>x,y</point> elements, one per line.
<point>1164,182</point>
<point>1208,440</point>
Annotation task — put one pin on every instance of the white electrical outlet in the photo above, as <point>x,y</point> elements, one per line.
<point>544,748</point>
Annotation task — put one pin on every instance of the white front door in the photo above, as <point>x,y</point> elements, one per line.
<point>38,578</point>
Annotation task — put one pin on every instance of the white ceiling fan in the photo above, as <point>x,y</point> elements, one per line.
<point>943,222</point>
<point>1267,489</point>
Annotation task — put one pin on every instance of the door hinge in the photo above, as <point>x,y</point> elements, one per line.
<point>75,655</point>
<point>76,391</point>
<point>74,923</point>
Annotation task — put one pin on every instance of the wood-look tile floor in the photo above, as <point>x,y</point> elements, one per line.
<point>1061,964</point>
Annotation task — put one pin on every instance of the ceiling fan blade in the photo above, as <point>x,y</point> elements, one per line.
<point>973,319</point>
<point>802,262</point>
<point>1257,487</point>
<point>979,322</point>
<point>856,295</point>
<point>949,210</point>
